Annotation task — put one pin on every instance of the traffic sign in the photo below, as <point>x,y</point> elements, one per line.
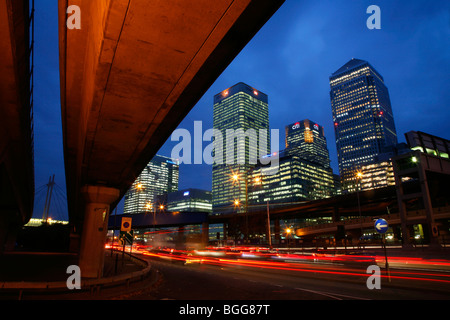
<point>126,224</point>
<point>126,236</point>
<point>381,225</point>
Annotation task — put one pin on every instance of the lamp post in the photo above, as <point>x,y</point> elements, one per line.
<point>359,176</point>
<point>288,233</point>
<point>235,178</point>
<point>149,206</point>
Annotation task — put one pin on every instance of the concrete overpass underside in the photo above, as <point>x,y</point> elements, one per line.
<point>16,143</point>
<point>128,77</point>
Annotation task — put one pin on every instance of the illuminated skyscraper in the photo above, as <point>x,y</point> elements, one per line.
<point>307,140</point>
<point>159,177</point>
<point>238,107</point>
<point>362,115</point>
<point>304,171</point>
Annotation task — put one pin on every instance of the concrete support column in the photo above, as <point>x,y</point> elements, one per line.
<point>225,232</point>
<point>3,233</point>
<point>277,230</point>
<point>336,216</point>
<point>428,208</point>
<point>180,241</point>
<point>205,233</point>
<point>8,233</point>
<point>95,226</point>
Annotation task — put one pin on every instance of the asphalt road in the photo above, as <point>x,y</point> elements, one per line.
<point>176,281</point>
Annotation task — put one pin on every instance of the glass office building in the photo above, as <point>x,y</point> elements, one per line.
<point>363,118</point>
<point>297,179</point>
<point>189,200</point>
<point>380,173</point>
<point>238,107</point>
<point>159,177</point>
<point>304,171</point>
<point>307,140</point>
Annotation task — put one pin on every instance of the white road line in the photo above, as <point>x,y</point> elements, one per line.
<point>332,295</point>
<point>320,293</point>
<point>351,297</point>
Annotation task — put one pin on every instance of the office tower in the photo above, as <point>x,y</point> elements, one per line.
<point>297,179</point>
<point>307,139</point>
<point>362,115</point>
<point>304,171</point>
<point>159,177</point>
<point>238,107</point>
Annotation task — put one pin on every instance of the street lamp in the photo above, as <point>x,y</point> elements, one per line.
<point>288,233</point>
<point>235,178</point>
<point>359,176</point>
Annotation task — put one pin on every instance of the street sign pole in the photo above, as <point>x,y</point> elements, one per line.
<point>381,226</point>
<point>386,258</point>
<point>125,230</point>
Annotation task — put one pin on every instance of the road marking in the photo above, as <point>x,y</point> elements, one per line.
<point>352,297</point>
<point>320,293</point>
<point>332,295</point>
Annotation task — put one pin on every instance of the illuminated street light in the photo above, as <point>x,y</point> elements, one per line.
<point>288,232</point>
<point>359,176</point>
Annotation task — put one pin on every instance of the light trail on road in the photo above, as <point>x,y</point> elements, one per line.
<point>313,263</point>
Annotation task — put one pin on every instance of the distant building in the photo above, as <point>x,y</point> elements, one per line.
<point>297,179</point>
<point>307,140</point>
<point>363,118</point>
<point>189,200</point>
<point>159,177</point>
<point>423,185</point>
<point>337,185</point>
<point>428,144</point>
<point>238,107</point>
<point>380,173</point>
<point>304,171</point>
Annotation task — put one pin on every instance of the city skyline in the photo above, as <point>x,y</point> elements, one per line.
<point>299,48</point>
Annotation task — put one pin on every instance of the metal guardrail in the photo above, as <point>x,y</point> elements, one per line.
<point>368,220</point>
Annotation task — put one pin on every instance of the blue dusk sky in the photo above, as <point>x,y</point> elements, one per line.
<point>290,59</point>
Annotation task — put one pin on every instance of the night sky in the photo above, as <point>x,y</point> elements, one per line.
<point>290,60</point>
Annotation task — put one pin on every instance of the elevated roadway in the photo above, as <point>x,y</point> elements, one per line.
<point>128,77</point>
